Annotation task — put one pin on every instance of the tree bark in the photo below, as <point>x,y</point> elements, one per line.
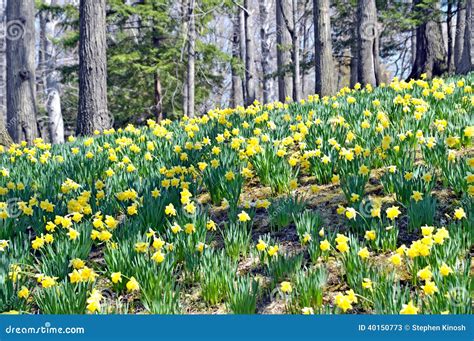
<point>412,38</point>
<point>354,64</point>
<point>53,99</point>
<point>237,89</point>
<point>5,139</point>
<point>449,29</point>
<point>158,98</point>
<point>459,34</point>
<point>3,70</point>
<point>324,63</point>
<point>43,122</point>
<point>283,54</point>
<point>304,31</point>
<point>40,69</point>
<point>93,114</point>
<point>430,50</point>
<point>191,57</point>
<point>21,98</point>
<point>367,35</point>
<point>467,58</point>
<point>249,56</point>
<point>265,46</point>
<point>243,50</point>
<point>184,34</point>
<point>296,53</point>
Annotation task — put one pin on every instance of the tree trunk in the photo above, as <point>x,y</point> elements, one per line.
<point>184,35</point>
<point>459,34</point>
<point>467,58</point>
<point>249,56</point>
<point>379,76</point>
<point>191,57</point>
<point>21,98</point>
<point>243,51</point>
<point>354,64</point>
<point>93,114</point>
<point>304,52</point>
<point>265,46</point>
<point>158,98</point>
<point>3,70</point>
<point>53,99</point>
<point>43,121</point>
<point>412,39</point>
<point>5,139</point>
<point>283,54</point>
<point>237,90</point>
<point>296,53</point>
<point>430,51</point>
<point>366,35</point>
<point>324,64</point>
<point>449,29</point>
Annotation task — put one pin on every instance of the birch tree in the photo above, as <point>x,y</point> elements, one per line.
<point>249,55</point>
<point>52,90</point>
<point>191,57</point>
<point>283,47</point>
<point>264,9</point>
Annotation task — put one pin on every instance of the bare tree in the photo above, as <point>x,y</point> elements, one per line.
<point>291,24</point>
<point>92,114</point>
<point>191,56</point>
<point>249,55</point>
<point>449,29</point>
<point>243,48</point>
<point>467,58</point>
<point>366,37</point>
<point>324,64</point>
<point>184,29</point>
<point>295,41</point>
<point>283,54</point>
<point>459,34</point>
<point>237,86</point>
<point>5,139</point>
<point>21,99</point>
<point>264,8</point>
<point>430,55</point>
